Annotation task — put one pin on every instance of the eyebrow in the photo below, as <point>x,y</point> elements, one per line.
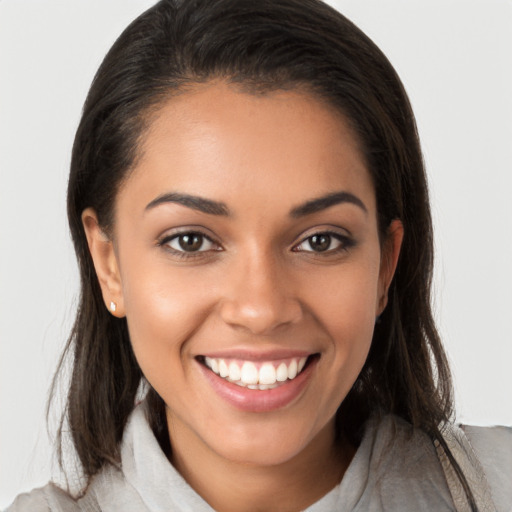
<point>211,207</point>
<point>195,202</point>
<point>324,202</point>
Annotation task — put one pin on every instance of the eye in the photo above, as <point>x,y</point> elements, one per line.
<point>190,242</point>
<point>323,242</point>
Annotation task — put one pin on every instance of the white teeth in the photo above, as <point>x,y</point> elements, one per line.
<point>292,370</point>
<point>212,363</point>
<point>248,375</point>
<point>282,373</point>
<point>261,387</point>
<point>234,371</point>
<point>267,374</point>
<point>223,368</point>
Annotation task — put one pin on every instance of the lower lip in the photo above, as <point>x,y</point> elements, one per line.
<point>255,400</point>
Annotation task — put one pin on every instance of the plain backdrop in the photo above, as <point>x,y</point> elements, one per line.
<point>455,60</point>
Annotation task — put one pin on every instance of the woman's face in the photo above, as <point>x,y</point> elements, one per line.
<point>246,251</point>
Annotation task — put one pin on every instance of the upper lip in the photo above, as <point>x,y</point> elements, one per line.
<point>257,355</point>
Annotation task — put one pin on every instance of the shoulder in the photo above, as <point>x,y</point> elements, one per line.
<point>108,487</point>
<point>403,471</point>
<point>491,444</point>
<point>493,449</point>
<point>49,498</point>
<point>398,441</point>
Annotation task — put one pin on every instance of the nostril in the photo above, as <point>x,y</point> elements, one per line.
<point>260,316</point>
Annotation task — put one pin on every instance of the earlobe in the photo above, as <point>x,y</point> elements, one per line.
<point>105,263</point>
<point>389,260</point>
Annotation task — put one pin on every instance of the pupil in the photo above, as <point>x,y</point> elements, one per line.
<point>320,243</point>
<point>190,242</point>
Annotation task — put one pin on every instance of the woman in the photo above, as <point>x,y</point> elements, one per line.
<point>250,215</point>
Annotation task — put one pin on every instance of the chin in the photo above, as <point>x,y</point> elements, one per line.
<point>270,443</point>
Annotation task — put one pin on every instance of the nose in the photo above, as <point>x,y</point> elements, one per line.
<point>260,296</point>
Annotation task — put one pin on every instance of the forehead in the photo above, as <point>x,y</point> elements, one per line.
<point>226,144</point>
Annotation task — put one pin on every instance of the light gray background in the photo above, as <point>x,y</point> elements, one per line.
<point>455,60</point>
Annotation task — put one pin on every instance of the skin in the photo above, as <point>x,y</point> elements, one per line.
<point>258,286</point>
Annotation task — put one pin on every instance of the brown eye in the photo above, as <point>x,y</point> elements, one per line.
<point>324,242</point>
<point>190,242</point>
<point>320,243</point>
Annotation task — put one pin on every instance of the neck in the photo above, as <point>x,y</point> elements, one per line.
<point>291,486</point>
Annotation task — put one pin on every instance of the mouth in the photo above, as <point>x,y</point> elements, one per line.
<point>258,375</point>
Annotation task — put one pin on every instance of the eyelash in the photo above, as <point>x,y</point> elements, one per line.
<point>166,240</point>
<point>345,243</point>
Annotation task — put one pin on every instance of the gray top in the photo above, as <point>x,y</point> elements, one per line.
<point>395,468</point>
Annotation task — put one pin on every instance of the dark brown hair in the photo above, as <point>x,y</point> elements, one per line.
<point>260,45</point>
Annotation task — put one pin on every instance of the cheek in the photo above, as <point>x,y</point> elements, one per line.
<point>346,300</point>
<point>345,306</point>
<point>163,309</point>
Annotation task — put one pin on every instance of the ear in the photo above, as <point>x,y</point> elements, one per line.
<point>389,258</point>
<point>105,263</point>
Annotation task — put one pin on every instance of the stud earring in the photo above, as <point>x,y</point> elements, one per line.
<point>113,307</point>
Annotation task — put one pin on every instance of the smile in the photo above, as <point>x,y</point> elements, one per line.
<point>256,383</point>
<point>262,375</point>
